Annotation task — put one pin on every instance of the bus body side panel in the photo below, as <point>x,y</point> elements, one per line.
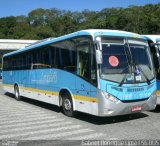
<point>85,96</point>
<point>30,85</point>
<point>45,85</point>
<point>7,81</point>
<point>158,92</point>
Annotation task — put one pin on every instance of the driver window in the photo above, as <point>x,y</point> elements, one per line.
<point>83,61</point>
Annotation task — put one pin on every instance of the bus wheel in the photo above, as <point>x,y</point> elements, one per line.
<point>16,93</point>
<point>67,105</point>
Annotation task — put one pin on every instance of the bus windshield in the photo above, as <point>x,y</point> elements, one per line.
<point>126,61</point>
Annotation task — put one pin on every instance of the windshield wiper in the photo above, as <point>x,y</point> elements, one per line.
<point>133,66</point>
<point>122,82</point>
<point>148,81</point>
<point>130,62</point>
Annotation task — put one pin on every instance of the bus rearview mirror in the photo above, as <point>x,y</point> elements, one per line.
<point>99,56</point>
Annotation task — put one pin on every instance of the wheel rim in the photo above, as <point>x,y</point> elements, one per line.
<point>67,104</point>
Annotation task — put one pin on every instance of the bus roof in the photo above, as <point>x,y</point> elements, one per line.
<point>153,38</point>
<point>92,32</point>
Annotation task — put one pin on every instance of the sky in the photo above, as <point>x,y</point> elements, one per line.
<point>23,7</point>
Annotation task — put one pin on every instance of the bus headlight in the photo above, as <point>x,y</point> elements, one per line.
<point>110,97</point>
<point>154,95</point>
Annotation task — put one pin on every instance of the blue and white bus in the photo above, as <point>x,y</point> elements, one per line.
<point>154,43</point>
<point>100,72</point>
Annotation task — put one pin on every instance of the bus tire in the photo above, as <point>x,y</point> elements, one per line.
<point>67,105</point>
<point>16,93</point>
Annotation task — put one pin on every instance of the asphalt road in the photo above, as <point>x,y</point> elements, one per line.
<point>33,120</point>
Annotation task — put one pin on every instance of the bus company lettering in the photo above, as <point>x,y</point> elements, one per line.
<point>46,78</point>
<point>51,77</point>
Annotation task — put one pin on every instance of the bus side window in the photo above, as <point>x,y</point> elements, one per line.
<point>46,58</point>
<point>65,56</point>
<point>52,57</point>
<point>155,61</point>
<point>5,64</point>
<point>41,58</point>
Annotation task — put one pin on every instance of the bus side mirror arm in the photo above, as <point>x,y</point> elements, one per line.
<point>98,52</point>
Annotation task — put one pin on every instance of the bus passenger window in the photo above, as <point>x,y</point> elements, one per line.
<point>52,57</point>
<point>66,59</point>
<point>41,59</point>
<point>65,56</point>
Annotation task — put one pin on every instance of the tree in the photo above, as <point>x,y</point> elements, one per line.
<point>37,17</point>
<point>43,23</point>
<point>6,26</point>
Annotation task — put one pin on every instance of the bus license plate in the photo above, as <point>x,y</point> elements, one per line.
<point>136,108</point>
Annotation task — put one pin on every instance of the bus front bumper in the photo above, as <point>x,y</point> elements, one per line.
<point>110,108</point>
<point>158,99</point>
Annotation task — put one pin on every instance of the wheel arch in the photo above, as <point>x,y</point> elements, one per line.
<point>62,92</point>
